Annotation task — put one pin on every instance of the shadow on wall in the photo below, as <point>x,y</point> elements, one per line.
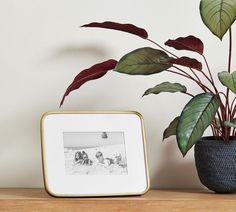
<point>75,51</point>
<point>176,172</point>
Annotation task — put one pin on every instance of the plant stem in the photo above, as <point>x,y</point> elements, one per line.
<point>223,108</point>
<point>205,88</point>
<point>162,48</point>
<point>208,68</point>
<point>233,133</point>
<point>213,130</point>
<point>189,94</point>
<point>232,106</point>
<point>233,112</point>
<point>209,71</point>
<point>228,112</point>
<point>195,74</point>
<point>209,80</point>
<point>230,50</point>
<point>216,128</point>
<point>222,94</point>
<point>175,72</point>
<point>191,78</point>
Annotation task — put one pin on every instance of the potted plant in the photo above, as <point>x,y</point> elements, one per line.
<point>215,156</point>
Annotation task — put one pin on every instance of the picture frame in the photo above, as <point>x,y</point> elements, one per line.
<point>94,153</point>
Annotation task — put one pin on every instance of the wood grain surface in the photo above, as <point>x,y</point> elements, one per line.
<point>155,200</point>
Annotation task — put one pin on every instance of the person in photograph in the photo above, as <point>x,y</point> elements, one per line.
<point>86,160</point>
<point>78,159</point>
<point>102,160</point>
<point>119,160</point>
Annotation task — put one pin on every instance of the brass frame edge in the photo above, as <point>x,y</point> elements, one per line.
<point>93,112</point>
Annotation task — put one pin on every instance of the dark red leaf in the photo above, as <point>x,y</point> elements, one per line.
<point>92,73</point>
<point>190,43</point>
<point>188,62</point>
<point>130,28</point>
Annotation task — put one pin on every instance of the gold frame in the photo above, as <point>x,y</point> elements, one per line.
<point>92,112</point>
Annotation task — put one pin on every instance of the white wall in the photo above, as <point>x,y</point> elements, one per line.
<point>42,49</point>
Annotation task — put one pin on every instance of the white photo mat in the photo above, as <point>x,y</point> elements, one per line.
<point>58,183</point>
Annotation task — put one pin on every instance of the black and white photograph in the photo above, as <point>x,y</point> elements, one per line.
<point>95,153</point>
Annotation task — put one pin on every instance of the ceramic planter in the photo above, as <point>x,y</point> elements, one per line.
<point>216,164</point>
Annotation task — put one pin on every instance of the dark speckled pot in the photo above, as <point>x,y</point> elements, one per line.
<point>216,164</point>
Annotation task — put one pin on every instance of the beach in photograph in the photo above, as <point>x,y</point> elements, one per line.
<point>108,151</point>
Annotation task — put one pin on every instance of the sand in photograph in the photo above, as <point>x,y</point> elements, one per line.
<point>91,144</point>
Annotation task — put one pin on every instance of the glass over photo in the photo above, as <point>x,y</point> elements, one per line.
<point>95,153</point>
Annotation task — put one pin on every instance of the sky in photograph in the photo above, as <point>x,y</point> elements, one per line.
<point>91,139</point>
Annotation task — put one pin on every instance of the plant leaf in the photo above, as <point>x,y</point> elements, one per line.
<point>196,116</point>
<point>166,87</point>
<point>189,43</point>
<point>94,72</point>
<point>188,62</point>
<point>143,61</point>
<point>228,80</point>
<point>130,28</point>
<point>217,122</point>
<point>218,15</point>
<point>230,123</point>
<point>171,129</point>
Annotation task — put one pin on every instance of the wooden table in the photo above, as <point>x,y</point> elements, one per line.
<point>155,200</point>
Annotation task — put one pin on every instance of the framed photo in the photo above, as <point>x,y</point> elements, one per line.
<point>94,153</point>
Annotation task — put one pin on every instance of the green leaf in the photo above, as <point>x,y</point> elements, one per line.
<point>228,80</point>
<point>166,87</point>
<point>196,116</point>
<point>143,61</point>
<point>171,129</point>
<point>218,15</point>
<point>230,123</point>
<point>217,122</point>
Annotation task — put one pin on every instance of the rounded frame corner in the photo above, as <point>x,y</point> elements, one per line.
<point>46,114</point>
<point>52,194</point>
<point>138,114</point>
<point>147,188</point>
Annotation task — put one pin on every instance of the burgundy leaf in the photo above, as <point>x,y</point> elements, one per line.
<point>130,28</point>
<point>92,73</point>
<point>188,62</point>
<point>190,43</point>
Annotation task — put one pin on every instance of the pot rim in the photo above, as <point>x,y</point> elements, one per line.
<point>218,139</point>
